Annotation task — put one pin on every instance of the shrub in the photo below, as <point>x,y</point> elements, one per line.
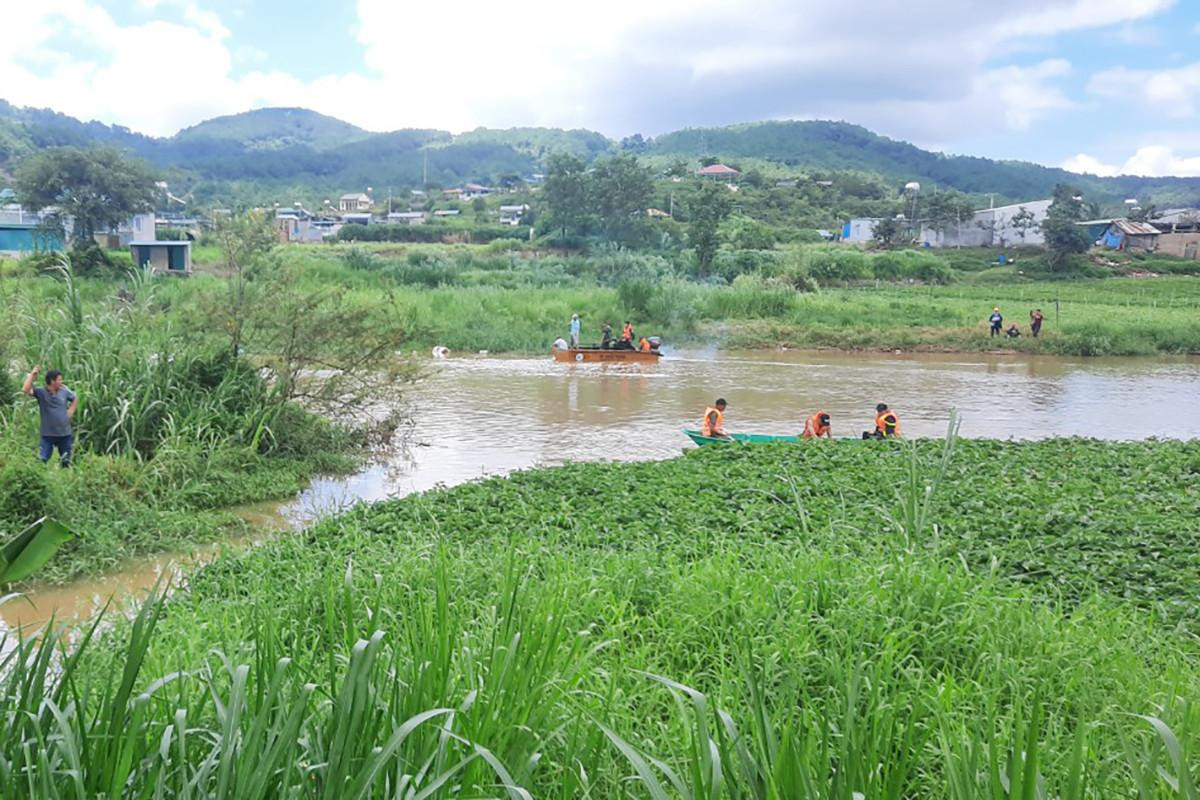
<point>730,264</point>
<point>635,296</point>
<point>9,387</point>
<point>359,258</point>
<point>24,493</point>
<point>806,236</point>
<point>839,265</point>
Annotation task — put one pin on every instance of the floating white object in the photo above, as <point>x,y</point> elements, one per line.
<point>441,351</point>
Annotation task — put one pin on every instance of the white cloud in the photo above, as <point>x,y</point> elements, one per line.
<point>1084,164</point>
<point>1171,92</point>
<point>1154,160</point>
<point>932,74</point>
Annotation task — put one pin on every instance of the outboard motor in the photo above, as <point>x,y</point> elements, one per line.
<point>655,342</point>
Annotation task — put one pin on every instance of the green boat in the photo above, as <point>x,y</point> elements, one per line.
<point>745,438</point>
<point>752,438</point>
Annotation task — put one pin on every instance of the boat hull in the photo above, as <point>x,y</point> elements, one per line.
<point>587,355</point>
<point>751,438</point>
<point>743,438</point>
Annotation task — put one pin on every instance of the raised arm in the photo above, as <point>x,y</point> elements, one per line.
<point>27,386</point>
<point>71,407</point>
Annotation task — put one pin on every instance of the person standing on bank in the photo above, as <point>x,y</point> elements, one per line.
<point>1035,322</point>
<point>57,405</point>
<point>996,320</point>
<point>574,330</point>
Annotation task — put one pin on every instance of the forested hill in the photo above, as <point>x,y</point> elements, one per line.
<point>829,146</point>
<point>260,156</point>
<point>276,128</point>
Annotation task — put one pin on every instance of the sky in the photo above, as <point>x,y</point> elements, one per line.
<point>1100,86</point>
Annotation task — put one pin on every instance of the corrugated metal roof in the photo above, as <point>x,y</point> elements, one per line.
<point>718,169</point>
<point>1131,228</point>
<point>1178,215</point>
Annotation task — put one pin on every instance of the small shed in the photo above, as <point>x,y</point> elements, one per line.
<point>1125,234</point>
<point>172,257</point>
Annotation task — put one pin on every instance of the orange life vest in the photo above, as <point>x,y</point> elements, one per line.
<point>813,428</point>
<point>707,428</point>
<point>644,345</point>
<point>887,419</point>
<point>627,333</point>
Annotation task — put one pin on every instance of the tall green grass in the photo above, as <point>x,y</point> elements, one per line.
<point>736,629</point>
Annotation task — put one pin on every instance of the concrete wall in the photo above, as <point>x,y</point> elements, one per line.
<point>1180,245</point>
<point>858,230</point>
<point>992,227</point>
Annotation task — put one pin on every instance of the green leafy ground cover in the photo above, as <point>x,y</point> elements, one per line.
<point>767,622</point>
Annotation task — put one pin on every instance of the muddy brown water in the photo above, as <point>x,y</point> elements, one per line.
<point>478,416</point>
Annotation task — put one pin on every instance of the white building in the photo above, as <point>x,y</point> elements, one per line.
<point>511,215</point>
<point>354,201</point>
<point>859,231</point>
<point>406,218</point>
<point>992,227</point>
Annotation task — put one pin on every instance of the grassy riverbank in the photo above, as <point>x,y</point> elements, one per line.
<point>838,635</point>
<point>178,415</point>
<point>481,298</point>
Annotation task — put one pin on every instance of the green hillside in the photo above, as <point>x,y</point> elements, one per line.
<point>256,156</point>
<point>540,143</point>
<point>276,128</point>
<point>829,146</point>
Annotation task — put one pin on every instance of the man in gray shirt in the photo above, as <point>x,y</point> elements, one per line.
<point>57,405</point>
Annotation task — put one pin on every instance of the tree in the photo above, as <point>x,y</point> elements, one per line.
<point>635,144</point>
<point>98,188</point>
<point>677,169</point>
<point>945,211</point>
<point>316,345</point>
<point>708,206</point>
<point>479,206</point>
<point>620,189</point>
<point>745,233</point>
<point>510,181</point>
<point>1063,237</point>
<point>1023,222</point>
<point>244,240</point>
<point>565,193</point>
<point>886,231</point>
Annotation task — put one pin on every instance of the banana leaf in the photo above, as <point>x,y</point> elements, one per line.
<point>31,549</point>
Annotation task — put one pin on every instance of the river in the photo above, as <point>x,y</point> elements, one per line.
<point>478,416</point>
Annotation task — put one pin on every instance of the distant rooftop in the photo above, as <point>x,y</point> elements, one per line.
<point>717,169</point>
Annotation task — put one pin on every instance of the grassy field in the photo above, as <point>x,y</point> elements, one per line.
<point>767,622</point>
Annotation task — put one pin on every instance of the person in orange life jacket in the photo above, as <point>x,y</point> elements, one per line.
<point>626,342</point>
<point>713,425</point>
<point>818,426</point>
<point>887,424</point>
<point>644,345</point>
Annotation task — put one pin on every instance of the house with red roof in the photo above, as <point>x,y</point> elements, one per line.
<point>719,172</point>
